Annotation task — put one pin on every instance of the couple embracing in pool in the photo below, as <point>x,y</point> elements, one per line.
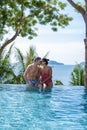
<point>39,74</point>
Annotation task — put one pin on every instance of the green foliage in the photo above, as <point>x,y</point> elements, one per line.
<point>20,60</point>
<point>24,15</point>
<point>58,82</point>
<point>81,5</point>
<point>62,5</point>
<point>77,75</point>
<point>30,55</point>
<point>7,73</point>
<point>6,70</point>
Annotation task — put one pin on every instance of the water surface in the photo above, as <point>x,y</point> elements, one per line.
<point>65,108</point>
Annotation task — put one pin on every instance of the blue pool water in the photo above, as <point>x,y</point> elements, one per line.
<point>64,108</point>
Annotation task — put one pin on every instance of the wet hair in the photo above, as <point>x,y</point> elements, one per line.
<point>45,60</point>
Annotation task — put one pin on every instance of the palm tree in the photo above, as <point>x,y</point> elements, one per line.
<point>19,60</point>
<point>77,75</point>
<point>6,69</point>
<point>24,61</point>
<point>31,54</point>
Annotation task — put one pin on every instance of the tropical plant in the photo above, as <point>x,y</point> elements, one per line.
<point>24,61</point>
<point>20,17</point>
<point>6,70</point>
<point>19,60</point>
<point>30,56</point>
<point>77,76</point>
<point>58,82</point>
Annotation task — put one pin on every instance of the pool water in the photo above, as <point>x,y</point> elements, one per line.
<point>64,108</point>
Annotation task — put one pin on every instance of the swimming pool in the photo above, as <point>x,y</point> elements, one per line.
<point>65,108</point>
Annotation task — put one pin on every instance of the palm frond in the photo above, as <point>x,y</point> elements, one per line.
<point>9,52</point>
<point>77,75</point>
<point>46,55</point>
<point>20,59</point>
<point>30,55</point>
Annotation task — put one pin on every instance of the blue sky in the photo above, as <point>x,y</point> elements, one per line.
<point>66,45</point>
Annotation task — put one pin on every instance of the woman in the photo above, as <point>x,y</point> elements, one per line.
<point>46,74</point>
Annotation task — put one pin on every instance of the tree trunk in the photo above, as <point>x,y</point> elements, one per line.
<point>85,41</point>
<point>85,76</point>
<point>7,42</point>
<point>83,12</point>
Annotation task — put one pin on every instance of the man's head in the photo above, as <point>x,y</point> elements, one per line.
<point>37,60</point>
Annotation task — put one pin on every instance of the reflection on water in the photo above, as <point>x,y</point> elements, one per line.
<point>83,106</point>
<point>84,103</point>
<point>63,108</point>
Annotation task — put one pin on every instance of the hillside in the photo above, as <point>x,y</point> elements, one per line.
<point>55,63</point>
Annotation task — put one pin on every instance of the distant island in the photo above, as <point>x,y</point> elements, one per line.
<point>52,62</point>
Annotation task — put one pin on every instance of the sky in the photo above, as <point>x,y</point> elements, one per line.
<point>65,46</point>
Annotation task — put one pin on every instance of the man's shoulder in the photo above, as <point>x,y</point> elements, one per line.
<point>30,65</point>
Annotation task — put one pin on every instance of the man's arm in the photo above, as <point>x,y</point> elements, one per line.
<point>25,74</point>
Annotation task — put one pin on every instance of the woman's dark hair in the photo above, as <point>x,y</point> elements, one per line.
<point>45,60</point>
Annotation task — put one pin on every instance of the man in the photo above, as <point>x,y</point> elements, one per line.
<point>32,73</point>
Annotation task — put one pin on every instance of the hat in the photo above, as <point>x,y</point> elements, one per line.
<point>45,60</point>
<point>37,59</point>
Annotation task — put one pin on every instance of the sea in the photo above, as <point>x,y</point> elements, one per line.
<point>62,73</point>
